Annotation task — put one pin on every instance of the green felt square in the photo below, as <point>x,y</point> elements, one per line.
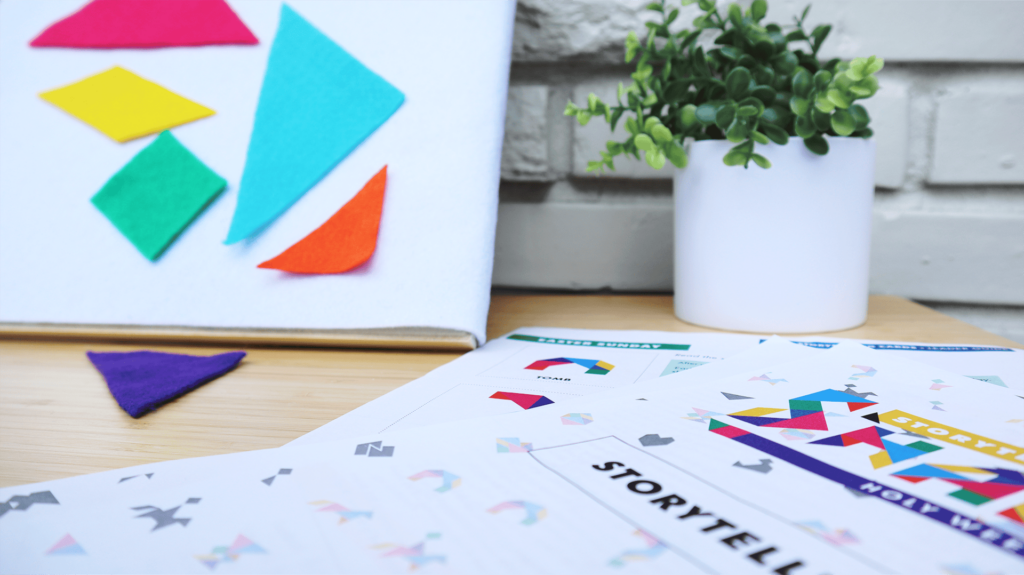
<point>970,497</point>
<point>923,446</point>
<point>157,194</point>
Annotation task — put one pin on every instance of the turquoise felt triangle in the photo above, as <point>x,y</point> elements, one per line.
<point>317,104</point>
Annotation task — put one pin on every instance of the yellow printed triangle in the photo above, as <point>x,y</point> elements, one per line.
<point>757,412</point>
<point>124,106</point>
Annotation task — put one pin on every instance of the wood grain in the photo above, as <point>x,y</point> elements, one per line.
<point>57,418</point>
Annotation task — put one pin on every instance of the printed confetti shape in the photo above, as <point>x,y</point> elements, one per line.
<point>141,381</point>
<point>149,24</point>
<point>66,546</point>
<point>524,400</point>
<point>317,104</point>
<point>345,241</point>
<point>124,106</point>
<point>157,194</point>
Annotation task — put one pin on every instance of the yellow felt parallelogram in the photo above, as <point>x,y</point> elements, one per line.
<point>124,106</point>
<point>758,412</point>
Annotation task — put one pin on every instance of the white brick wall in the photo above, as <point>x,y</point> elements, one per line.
<point>949,121</point>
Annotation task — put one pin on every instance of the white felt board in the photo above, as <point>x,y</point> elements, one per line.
<point>63,262</point>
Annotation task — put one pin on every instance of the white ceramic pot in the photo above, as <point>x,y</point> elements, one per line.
<point>782,250</point>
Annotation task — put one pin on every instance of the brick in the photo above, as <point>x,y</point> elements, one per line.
<point>582,246</point>
<point>935,257</point>
<point>524,154</point>
<point>588,141</point>
<point>888,110</point>
<point>977,137</point>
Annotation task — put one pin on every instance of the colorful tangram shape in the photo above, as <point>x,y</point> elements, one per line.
<point>652,549</point>
<point>577,419</point>
<point>124,106</point>
<point>866,371</point>
<point>512,445</point>
<point>938,385</point>
<point>1014,513</point>
<point>534,512</point>
<point>805,412</point>
<point>415,555</point>
<point>142,381</point>
<point>700,415</point>
<point>524,400</point>
<point>594,366</point>
<point>890,453</point>
<point>225,554</point>
<point>149,24</point>
<point>449,481</point>
<point>993,379</point>
<point>66,546</point>
<point>343,242</point>
<point>157,194</point>
<point>833,536</point>
<point>341,511</point>
<point>316,105</point>
<point>764,377</point>
<point>977,484</point>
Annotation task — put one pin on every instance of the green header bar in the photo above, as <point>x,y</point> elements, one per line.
<point>585,343</point>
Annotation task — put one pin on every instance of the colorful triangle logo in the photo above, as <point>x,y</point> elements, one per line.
<point>66,546</point>
<point>148,24</point>
<point>317,104</point>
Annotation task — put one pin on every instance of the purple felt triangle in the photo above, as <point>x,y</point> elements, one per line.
<point>142,381</point>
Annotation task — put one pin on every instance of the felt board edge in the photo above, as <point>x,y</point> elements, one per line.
<point>411,338</point>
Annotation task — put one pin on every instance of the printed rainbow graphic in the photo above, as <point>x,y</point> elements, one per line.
<point>512,445</point>
<point>833,536</point>
<point>415,555</point>
<point>700,415</point>
<point>524,400</point>
<point>652,549</point>
<point>449,481</point>
<point>891,452</point>
<point>867,372</point>
<point>66,546</point>
<point>225,554</point>
<point>805,412</point>
<point>577,419</point>
<point>534,512</point>
<point>978,485</point>
<point>345,513</point>
<point>594,366</point>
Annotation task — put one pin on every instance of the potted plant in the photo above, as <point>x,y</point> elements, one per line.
<point>776,165</point>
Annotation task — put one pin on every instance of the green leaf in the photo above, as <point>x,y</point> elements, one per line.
<point>644,142</point>
<point>643,71</point>
<point>745,111</point>
<point>734,158</point>
<point>730,52</point>
<point>737,83</point>
<point>804,127</point>
<point>736,15</point>
<point>615,117</point>
<point>821,102</point>
<point>795,36</point>
<point>819,34</point>
<point>677,156</point>
<point>699,62</point>
<point>799,105</point>
<point>620,92</point>
<point>865,88</point>
<point>766,94</point>
<point>759,137</point>
<point>758,9</point>
<point>817,145</point>
<point>650,100</point>
<point>785,62</point>
<point>706,5</point>
<point>865,133</point>
<point>802,83</point>
<point>737,132</point>
<point>843,123</point>
<point>706,114</point>
<point>655,158</point>
<point>763,50</point>
<point>860,115</point>
<point>614,148</point>
<point>656,6</point>
<point>672,16</point>
<point>583,117</point>
<point>632,127</point>
<point>725,116</point>
<point>822,78</point>
<point>874,65</point>
<point>688,115</point>
<point>661,134</point>
<point>803,16</point>
<point>775,133</point>
<point>839,99</point>
<point>571,109</point>
<point>592,102</point>
<point>820,119</point>
<point>595,166</point>
<point>761,161</point>
<point>650,123</point>
<point>632,44</point>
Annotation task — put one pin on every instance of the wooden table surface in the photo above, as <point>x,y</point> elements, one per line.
<point>57,418</point>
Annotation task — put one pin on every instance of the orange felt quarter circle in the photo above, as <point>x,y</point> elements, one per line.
<point>343,242</point>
